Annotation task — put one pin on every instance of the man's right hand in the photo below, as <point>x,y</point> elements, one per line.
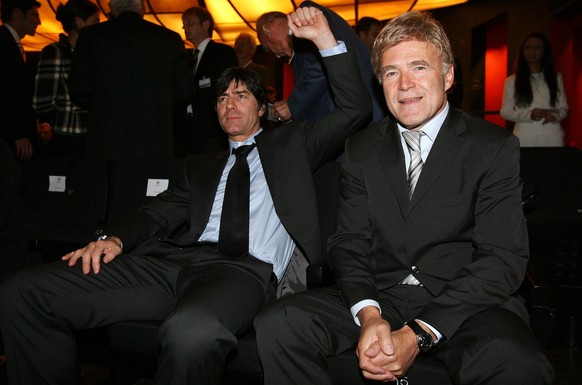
<point>310,23</point>
<point>91,254</point>
<point>23,148</point>
<point>375,347</point>
<point>281,110</point>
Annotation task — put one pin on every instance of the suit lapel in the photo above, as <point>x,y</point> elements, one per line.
<point>444,149</point>
<point>206,177</point>
<point>204,63</point>
<point>391,158</point>
<point>13,45</point>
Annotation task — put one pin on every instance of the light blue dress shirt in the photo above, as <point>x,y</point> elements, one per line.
<point>269,241</point>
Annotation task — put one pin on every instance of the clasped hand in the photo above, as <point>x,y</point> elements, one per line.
<point>383,354</point>
<point>94,253</point>
<point>546,115</point>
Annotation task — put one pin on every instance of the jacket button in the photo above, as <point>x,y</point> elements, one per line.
<point>415,269</point>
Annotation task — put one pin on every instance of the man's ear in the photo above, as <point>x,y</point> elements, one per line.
<point>17,15</point>
<point>79,23</point>
<point>206,25</point>
<point>262,110</point>
<point>449,77</point>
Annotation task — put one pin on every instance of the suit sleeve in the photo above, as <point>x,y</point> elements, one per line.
<point>81,78</point>
<point>182,76</point>
<point>350,247</point>
<point>326,138</point>
<point>164,215</point>
<point>311,83</point>
<point>17,116</point>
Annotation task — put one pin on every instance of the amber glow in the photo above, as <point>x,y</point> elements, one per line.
<point>234,16</point>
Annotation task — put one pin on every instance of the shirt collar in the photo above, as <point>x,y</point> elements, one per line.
<point>251,140</point>
<point>13,32</point>
<point>202,46</point>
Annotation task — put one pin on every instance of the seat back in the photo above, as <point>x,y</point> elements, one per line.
<point>64,197</point>
<point>553,176</point>
<point>134,183</point>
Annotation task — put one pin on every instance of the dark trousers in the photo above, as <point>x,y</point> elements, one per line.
<point>207,301</point>
<point>296,334</point>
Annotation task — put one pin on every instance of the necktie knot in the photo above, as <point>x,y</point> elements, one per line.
<point>412,139</point>
<point>243,150</point>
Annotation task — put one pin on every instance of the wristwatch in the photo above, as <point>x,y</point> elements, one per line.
<point>423,338</point>
<point>104,237</point>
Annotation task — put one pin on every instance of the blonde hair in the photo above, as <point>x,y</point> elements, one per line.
<point>417,26</point>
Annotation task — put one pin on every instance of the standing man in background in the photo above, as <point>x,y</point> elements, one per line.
<point>131,75</point>
<point>311,97</point>
<point>17,116</point>
<point>245,48</point>
<point>202,132</point>
<point>368,29</point>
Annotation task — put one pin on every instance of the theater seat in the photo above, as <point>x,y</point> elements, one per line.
<point>62,203</point>
<point>134,183</point>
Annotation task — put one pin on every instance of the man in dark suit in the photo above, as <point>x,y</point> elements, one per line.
<point>17,116</point>
<point>209,58</point>
<point>425,263</point>
<point>167,262</point>
<point>311,97</point>
<point>131,75</point>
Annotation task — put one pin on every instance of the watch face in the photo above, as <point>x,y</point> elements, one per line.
<point>424,342</point>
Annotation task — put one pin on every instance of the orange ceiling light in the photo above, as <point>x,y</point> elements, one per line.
<point>233,16</point>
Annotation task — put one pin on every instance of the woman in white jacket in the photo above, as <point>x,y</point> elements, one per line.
<point>534,96</point>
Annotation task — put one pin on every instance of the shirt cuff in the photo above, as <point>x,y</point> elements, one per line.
<point>339,48</point>
<point>438,335</point>
<point>360,305</point>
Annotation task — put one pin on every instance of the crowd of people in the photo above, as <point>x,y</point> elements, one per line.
<point>431,244</point>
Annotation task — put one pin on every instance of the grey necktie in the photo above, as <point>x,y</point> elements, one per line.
<point>412,139</point>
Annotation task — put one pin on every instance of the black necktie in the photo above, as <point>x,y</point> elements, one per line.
<point>195,59</point>
<point>233,239</point>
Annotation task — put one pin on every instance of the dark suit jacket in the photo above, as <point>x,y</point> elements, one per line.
<point>130,74</point>
<point>216,58</point>
<point>463,234</point>
<point>311,97</point>
<point>17,117</point>
<point>289,155</point>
